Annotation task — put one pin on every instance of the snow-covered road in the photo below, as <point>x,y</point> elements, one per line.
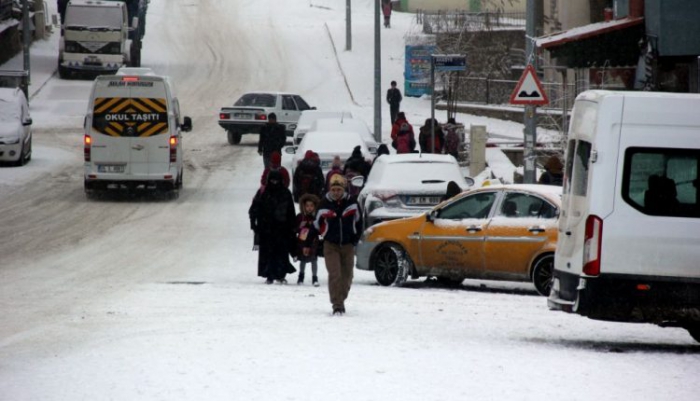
<point>147,298</point>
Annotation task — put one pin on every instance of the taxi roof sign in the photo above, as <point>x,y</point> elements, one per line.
<point>529,89</point>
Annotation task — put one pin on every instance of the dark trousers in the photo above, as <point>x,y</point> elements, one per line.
<point>393,111</point>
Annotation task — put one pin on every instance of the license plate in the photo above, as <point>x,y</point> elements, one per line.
<point>423,200</point>
<point>243,116</point>
<point>110,168</point>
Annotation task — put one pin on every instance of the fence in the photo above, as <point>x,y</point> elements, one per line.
<point>459,21</point>
<point>5,9</point>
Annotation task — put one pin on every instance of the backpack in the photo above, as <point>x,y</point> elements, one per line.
<point>451,141</point>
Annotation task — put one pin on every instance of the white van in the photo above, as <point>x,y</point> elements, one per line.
<point>629,232</point>
<point>133,132</point>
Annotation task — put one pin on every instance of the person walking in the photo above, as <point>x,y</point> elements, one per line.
<point>308,177</point>
<point>453,189</point>
<point>275,165</point>
<point>394,98</point>
<point>386,10</point>
<point>307,237</point>
<point>408,142</point>
<point>272,219</point>
<point>339,222</point>
<point>272,138</point>
<point>428,144</point>
<point>452,140</point>
<point>553,172</point>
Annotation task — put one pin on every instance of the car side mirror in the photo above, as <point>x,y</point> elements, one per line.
<point>313,108</point>
<point>27,122</point>
<point>431,216</point>
<point>290,150</point>
<point>357,181</point>
<point>469,180</point>
<point>186,125</point>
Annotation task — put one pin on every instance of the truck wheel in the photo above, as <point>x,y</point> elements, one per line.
<point>234,137</point>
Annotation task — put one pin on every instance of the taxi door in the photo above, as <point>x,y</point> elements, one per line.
<point>522,226</point>
<point>452,240</point>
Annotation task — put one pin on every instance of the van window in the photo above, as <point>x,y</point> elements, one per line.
<point>662,181</point>
<point>578,154</point>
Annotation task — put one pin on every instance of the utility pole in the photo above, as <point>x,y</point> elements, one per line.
<point>530,120</point>
<point>26,40</point>
<point>377,75</point>
<point>348,26</point>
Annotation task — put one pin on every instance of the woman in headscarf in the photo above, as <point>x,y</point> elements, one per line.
<point>273,219</point>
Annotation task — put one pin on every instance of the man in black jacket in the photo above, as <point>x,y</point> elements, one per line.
<point>272,138</point>
<point>393,97</point>
<point>339,221</point>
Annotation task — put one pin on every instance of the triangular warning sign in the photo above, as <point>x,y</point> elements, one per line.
<point>529,90</point>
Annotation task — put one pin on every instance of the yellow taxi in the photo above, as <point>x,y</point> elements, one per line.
<point>505,232</point>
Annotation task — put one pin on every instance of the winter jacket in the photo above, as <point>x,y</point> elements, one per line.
<point>272,138</point>
<point>357,163</point>
<point>452,141</point>
<point>424,138</point>
<point>307,235</point>
<point>282,170</point>
<point>308,179</point>
<point>339,222</point>
<point>405,141</point>
<point>393,97</point>
<point>396,127</point>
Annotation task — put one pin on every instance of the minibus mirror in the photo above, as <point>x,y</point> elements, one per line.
<point>187,125</point>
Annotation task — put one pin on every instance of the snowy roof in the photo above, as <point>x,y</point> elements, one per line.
<point>586,31</point>
<point>417,158</point>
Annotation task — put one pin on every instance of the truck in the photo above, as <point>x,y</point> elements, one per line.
<point>101,36</point>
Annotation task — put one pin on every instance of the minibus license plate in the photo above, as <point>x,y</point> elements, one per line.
<point>110,168</point>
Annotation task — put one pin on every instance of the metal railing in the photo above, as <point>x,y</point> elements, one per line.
<point>5,9</point>
<point>457,21</point>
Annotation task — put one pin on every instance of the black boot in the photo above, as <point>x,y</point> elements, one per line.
<point>301,279</point>
<point>314,281</point>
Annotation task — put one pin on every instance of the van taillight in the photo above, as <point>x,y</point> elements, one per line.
<point>87,141</point>
<point>173,149</point>
<point>591,245</point>
<point>223,116</point>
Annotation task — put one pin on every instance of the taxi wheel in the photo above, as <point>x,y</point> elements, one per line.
<point>542,274</point>
<point>386,266</point>
<point>390,265</point>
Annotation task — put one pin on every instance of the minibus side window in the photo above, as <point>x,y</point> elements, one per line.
<point>568,168</point>
<point>579,181</point>
<point>662,182</point>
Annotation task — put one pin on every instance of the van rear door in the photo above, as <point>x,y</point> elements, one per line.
<point>130,116</point>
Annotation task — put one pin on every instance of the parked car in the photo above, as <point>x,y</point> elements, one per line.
<point>506,232</point>
<point>339,124</point>
<point>15,127</point>
<point>327,144</point>
<point>250,112</point>
<point>308,117</point>
<point>407,185</point>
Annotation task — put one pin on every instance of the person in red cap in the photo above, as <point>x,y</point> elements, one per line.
<point>275,165</point>
<point>308,177</point>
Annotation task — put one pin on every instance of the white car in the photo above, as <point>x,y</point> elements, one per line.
<point>407,185</point>
<point>339,124</point>
<point>15,127</point>
<point>308,117</point>
<point>327,144</point>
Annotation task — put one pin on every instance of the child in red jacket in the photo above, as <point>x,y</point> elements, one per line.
<point>307,237</point>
